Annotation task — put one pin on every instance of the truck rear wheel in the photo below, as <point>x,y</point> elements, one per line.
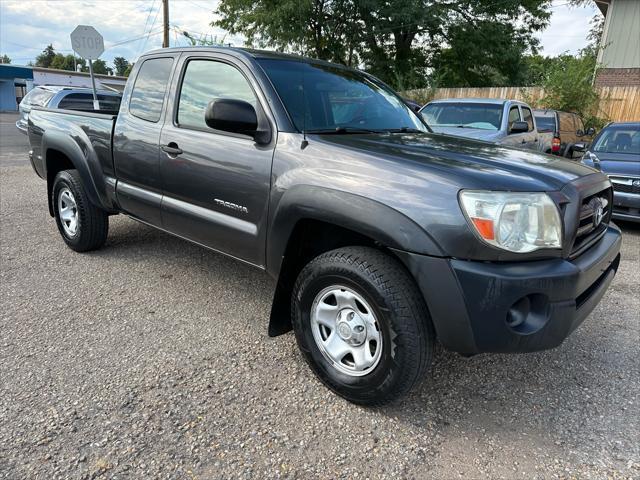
<point>83,226</point>
<point>362,325</point>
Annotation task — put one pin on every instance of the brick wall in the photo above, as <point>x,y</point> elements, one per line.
<point>614,77</point>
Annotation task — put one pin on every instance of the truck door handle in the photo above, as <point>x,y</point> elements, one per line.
<point>171,148</point>
<point>523,141</point>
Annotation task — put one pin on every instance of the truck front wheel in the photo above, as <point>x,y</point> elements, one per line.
<point>83,226</point>
<point>362,325</point>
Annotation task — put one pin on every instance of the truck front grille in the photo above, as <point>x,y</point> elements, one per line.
<point>595,214</point>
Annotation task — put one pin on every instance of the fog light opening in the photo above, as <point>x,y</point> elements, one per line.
<point>528,314</point>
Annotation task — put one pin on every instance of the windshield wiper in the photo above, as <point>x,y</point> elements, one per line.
<point>341,130</point>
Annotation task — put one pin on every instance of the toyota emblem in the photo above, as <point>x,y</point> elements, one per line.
<point>598,214</point>
<point>636,183</point>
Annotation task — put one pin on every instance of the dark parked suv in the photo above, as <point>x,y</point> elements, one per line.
<point>568,129</point>
<point>383,236</point>
<point>616,152</point>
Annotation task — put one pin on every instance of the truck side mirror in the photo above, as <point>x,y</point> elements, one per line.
<point>579,147</point>
<point>591,131</point>
<point>579,133</point>
<point>229,115</point>
<point>519,127</point>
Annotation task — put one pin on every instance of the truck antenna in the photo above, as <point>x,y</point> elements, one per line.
<point>304,143</point>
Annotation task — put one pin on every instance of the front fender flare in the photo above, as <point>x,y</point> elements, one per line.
<point>368,217</point>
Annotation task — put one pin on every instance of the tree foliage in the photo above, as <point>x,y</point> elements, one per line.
<point>568,86</point>
<point>404,42</point>
<point>46,57</point>
<point>100,67</point>
<point>121,64</point>
<point>5,59</point>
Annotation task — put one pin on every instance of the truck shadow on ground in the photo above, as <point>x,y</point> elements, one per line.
<point>486,392</point>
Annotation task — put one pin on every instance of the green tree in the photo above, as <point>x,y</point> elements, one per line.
<point>569,86</point>
<point>46,57</point>
<point>397,40</point>
<point>487,54</point>
<point>121,64</point>
<point>68,62</point>
<point>100,67</point>
<point>5,58</point>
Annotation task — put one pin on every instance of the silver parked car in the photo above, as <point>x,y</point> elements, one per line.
<point>507,122</point>
<point>68,98</point>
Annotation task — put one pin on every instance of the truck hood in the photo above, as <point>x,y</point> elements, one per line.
<point>475,133</point>
<point>468,163</point>
<point>623,164</point>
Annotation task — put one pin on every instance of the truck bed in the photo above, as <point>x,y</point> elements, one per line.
<point>91,131</point>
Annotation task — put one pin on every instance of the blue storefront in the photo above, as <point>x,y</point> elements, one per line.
<point>14,83</point>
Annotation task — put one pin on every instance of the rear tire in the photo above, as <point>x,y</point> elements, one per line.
<point>83,226</point>
<point>386,345</point>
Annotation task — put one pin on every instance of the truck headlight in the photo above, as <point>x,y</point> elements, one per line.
<point>517,222</point>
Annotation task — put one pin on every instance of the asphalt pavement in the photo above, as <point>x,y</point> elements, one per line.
<point>150,359</point>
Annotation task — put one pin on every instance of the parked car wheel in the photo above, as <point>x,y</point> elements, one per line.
<point>83,226</point>
<point>362,325</point>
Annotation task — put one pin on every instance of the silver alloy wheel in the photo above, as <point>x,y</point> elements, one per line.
<point>68,211</point>
<point>346,330</point>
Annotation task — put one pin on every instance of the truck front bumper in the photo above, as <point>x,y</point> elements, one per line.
<point>516,306</point>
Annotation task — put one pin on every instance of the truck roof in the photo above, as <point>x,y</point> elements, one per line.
<point>493,101</point>
<point>247,53</point>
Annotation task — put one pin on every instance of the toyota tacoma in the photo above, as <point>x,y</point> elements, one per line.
<point>383,237</point>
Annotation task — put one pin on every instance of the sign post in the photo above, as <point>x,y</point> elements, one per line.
<point>89,44</point>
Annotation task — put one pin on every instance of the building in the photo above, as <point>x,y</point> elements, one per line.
<point>16,81</point>
<point>619,54</point>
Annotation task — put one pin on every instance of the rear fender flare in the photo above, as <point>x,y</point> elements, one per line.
<point>80,152</point>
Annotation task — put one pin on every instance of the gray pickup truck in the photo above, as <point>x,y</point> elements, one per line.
<point>383,237</point>
<point>506,122</point>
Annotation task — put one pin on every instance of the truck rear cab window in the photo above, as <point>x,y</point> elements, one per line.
<point>147,96</point>
<point>207,80</point>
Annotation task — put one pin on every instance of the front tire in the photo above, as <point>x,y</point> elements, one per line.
<point>83,226</point>
<point>362,325</point>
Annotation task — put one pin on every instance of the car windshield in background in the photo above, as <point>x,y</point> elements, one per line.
<point>38,97</point>
<point>323,98</point>
<point>546,124</point>
<point>484,116</point>
<point>619,139</point>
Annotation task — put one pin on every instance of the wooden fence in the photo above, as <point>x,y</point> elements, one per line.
<point>618,104</point>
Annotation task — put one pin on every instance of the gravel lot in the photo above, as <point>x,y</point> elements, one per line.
<point>150,359</point>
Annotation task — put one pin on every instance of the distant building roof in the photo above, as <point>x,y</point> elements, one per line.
<point>15,71</point>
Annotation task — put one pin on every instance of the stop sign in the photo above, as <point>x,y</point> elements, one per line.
<point>87,42</point>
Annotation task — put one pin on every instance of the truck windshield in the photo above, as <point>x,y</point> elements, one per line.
<point>484,116</point>
<point>326,99</point>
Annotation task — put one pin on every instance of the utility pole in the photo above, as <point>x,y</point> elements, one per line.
<point>165,21</point>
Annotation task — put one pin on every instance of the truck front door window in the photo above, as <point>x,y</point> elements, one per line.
<point>514,116</point>
<point>148,92</point>
<point>206,80</point>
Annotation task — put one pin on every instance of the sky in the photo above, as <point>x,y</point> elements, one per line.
<point>131,27</point>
